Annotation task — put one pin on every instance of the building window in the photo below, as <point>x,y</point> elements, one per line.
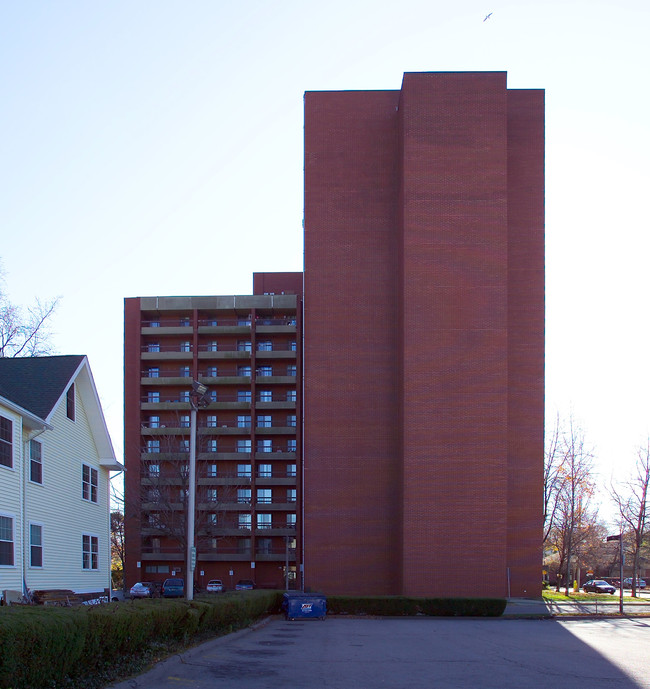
<point>90,550</point>
<point>153,396</point>
<point>265,346</point>
<point>264,521</point>
<point>184,396</point>
<point>264,421</point>
<point>184,421</point>
<point>292,445</point>
<point>184,322</point>
<point>184,372</point>
<point>155,546</point>
<point>89,483</point>
<point>153,372</point>
<point>185,347</point>
<point>212,470</point>
<point>265,445</point>
<point>243,495</point>
<point>244,545</point>
<point>243,395</point>
<point>211,372</point>
<point>291,395</point>
<point>243,446</point>
<point>213,395</point>
<point>264,495</point>
<point>265,371</point>
<point>264,471</point>
<point>154,324</point>
<point>69,402</point>
<point>291,494</point>
<point>153,446</point>
<point>264,546</point>
<point>244,320</point>
<point>6,541</point>
<point>243,370</point>
<point>244,470</point>
<point>6,442</point>
<point>291,470</point>
<point>291,370</point>
<point>211,495</point>
<point>35,461</point>
<point>244,346</point>
<point>184,445</point>
<point>292,346</point>
<point>212,445</point>
<point>153,347</point>
<point>244,521</point>
<point>212,519</point>
<point>211,421</point>
<point>154,422</point>
<point>291,420</point>
<point>266,396</point>
<point>291,520</point>
<point>212,347</point>
<point>244,421</point>
<point>153,470</point>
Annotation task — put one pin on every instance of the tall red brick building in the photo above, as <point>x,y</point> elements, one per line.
<point>424,338</point>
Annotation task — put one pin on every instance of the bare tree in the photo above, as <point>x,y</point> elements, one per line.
<point>554,477</point>
<point>117,536</point>
<point>631,499</point>
<point>24,334</point>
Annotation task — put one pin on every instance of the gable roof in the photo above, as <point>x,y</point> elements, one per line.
<point>37,383</point>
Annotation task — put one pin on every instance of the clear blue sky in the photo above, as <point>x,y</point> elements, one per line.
<point>156,148</point>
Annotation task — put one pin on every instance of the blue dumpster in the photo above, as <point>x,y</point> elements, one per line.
<point>299,606</point>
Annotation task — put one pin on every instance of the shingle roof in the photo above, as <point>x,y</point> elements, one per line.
<point>37,383</point>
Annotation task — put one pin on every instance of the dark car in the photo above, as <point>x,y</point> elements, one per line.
<point>598,586</point>
<point>244,585</point>
<point>173,588</point>
<point>627,583</point>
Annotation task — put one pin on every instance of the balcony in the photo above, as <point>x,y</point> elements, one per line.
<point>166,352</point>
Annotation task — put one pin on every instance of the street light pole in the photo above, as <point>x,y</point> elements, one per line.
<point>619,538</point>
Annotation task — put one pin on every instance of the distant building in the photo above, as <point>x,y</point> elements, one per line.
<point>55,459</point>
<point>424,337</point>
<point>246,351</point>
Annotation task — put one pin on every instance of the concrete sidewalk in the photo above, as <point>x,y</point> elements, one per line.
<point>527,607</point>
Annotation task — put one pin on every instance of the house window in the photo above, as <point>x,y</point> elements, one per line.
<point>264,521</point>
<point>153,396</point>
<point>243,370</point>
<point>212,445</point>
<point>244,421</point>
<point>153,372</point>
<point>244,346</point>
<point>243,495</point>
<point>212,470</point>
<point>266,396</point>
<point>89,483</point>
<point>291,420</point>
<point>243,446</point>
<point>265,445</point>
<point>265,346</point>
<point>244,470</point>
<point>6,541</point>
<point>291,370</point>
<point>211,421</point>
<point>265,371</point>
<point>264,495</point>
<point>153,347</point>
<point>154,422</point>
<point>243,395</point>
<point>291,494</point>
<point>291,395</point>
<point>264,470</point>
<point>35,461</point>
<point>185,421</point>
<point>244,521</point>
<point>185,347</point>
<point>69,402</point>
<point>90,551</point>
<point>153,446</point>
<point>6,442</point>
<point>264,421</point>
<point>291,470</point>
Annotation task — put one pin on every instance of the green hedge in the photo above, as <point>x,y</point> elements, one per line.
<point>51,647</point>
<point>398,605</point>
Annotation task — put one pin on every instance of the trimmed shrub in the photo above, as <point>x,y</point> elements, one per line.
<point>391,606</point>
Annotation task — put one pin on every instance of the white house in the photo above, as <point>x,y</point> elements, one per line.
<point>55,460</point>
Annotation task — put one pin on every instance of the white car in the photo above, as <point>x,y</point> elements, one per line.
<point>143,589</point>
<point>214,586</point>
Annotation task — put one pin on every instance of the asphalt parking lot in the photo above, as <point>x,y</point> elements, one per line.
<point>405,653</point>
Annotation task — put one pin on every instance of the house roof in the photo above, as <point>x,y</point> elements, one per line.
<point>37,383</point>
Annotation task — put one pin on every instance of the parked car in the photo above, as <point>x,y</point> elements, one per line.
<point>244,585</point>
<point>627,583</point>
<point>598,586</point>
<point>173,588</point>
<point>214,586</point>
<point>143,589</point>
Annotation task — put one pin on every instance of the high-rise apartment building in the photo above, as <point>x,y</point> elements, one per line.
<point>424,338</point>
<point>246,351</point>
